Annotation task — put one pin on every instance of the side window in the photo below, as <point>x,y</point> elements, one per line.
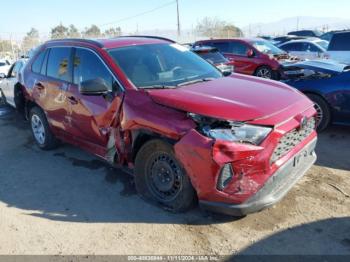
<point>340,42</point>
<point>312,48</point>
<point>88,66</point>
<point>287,47</point>
<point>38,62</point>
<point>15,69</point>
<point>44,66</point>
<point>224,47</point>
<point>295,47</point>
<point>58,65</point>
<point>239,48</point>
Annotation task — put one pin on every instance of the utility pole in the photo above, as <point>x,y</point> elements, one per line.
<point>178,20</point>
<point>297,23</point>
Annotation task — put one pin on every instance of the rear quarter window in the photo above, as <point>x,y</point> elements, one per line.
<point>340,42</point>
<point>38,62</point>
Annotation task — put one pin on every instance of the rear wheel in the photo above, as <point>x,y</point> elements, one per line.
<point>42,134</point>
<point>264,72</point>
<point>323,112</point>
<point>159,177</point>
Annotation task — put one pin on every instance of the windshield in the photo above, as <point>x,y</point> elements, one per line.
<point>213,57</point>
<point>323,44</point>
<point>267,48</point>
<point>162,65</point>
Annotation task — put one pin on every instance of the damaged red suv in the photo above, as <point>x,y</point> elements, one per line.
<point>236,144</point>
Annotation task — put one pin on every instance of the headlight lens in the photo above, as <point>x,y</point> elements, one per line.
<point>243,134</point>
<point>229,130</point>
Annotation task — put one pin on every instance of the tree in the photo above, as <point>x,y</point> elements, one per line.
<point>73,32</point>
<point>59,32</point>
<point>92,31</point>
<point>216,28</point>
<point>5,46</point>
<point>31,40</point>
<point>113,32</point>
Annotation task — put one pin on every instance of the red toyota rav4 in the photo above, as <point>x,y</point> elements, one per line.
<point>148,105</point>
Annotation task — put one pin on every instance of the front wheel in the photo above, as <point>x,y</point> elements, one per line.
<point>42,134</point>
<point>159,177</point>
<point>264,72</point>
<point>323,116</point>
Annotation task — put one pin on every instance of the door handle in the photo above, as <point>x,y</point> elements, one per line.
<point>39,85</point>
<point>73,100</point>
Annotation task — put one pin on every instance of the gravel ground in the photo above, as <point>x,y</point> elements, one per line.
<point>68,202</point>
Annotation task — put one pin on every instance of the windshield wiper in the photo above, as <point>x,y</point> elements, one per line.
<point>191,82</point>
<point>157,87</point>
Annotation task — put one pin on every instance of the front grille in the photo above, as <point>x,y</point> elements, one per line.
<point>292,139</point>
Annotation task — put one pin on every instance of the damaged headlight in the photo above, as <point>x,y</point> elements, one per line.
<point>231,131</point>
<point>243,134</point>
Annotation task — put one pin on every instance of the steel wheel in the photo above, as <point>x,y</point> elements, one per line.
<point>38,129</point>
<point>264,72</point>
<point>164,177</point>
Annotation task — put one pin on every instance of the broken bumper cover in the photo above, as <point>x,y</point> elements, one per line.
<point>274,189</point>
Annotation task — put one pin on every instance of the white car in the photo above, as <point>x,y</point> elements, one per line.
<point>339,47</point>
<point>307,48</point>
<point>4,66</point>
<point>9,81</point>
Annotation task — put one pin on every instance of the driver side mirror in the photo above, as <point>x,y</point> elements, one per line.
<point>2,75</point>
<point>250,53</point>
<point>94,87</point>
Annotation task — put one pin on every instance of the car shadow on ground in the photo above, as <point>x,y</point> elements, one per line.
<point>67,184</point>
<point>330,237</point>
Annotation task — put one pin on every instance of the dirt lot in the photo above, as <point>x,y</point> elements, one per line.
<point>68,202</point>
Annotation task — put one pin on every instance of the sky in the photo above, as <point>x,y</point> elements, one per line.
<point>21,15</point>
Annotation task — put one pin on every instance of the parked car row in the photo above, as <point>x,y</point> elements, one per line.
<point>186,131</point>
<point>333,45</point>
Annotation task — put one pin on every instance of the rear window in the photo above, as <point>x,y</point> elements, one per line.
<point>340,42</point>
<point>2,64</point>
<point>38,62</point>
<point>213,57</point>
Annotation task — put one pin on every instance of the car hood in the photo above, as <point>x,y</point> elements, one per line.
<point>324,66</point>
<point>237,98</point>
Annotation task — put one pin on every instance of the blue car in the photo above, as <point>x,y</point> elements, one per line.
<point>327,84</point>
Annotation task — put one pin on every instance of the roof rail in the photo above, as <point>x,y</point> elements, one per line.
<point>150,36</point>
<point>88,41</point>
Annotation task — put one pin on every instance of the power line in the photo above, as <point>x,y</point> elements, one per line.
<point>140,14</point>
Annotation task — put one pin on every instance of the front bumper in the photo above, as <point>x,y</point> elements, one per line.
<point>276,187</point>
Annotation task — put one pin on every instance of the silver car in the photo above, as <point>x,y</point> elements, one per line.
<point>306,48</point>
<point>8,82</point>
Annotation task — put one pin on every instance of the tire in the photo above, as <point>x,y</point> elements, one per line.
<point>170,188</point>
<point>264,72</point>
<point>41,132</point>
<point>323,111</point>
